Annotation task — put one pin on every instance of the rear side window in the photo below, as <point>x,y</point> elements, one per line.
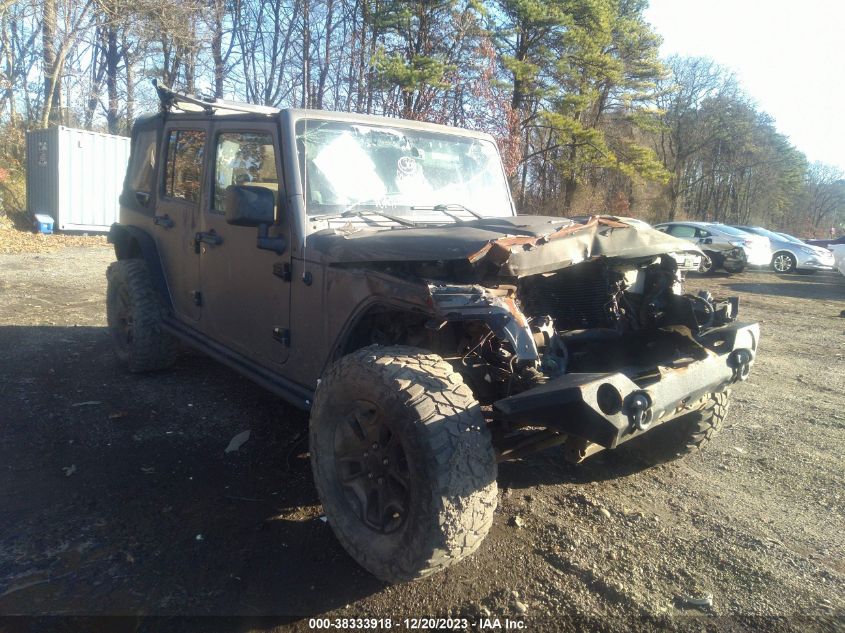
<point>183,169</point>
<point>681,230</point>
<point>244,158</point>
<point>143,165</point>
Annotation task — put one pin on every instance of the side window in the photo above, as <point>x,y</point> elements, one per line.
<point>243,158</point>
<point>183,170</point>
<point>143,165</point>
<point>682,230</point>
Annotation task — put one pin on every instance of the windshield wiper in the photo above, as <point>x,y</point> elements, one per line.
<point>352,212</point>
<point>444,208</point>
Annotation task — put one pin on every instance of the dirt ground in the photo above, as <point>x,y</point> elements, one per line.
<point>15,241</point>
<point>118,497</point>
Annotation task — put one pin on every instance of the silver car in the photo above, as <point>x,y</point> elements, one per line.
<point>725,246</point>
<point>789,254</point>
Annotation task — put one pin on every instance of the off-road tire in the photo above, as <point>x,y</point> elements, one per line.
<point>449,454</point>
<point>686,434</point>
<point>135,313</point>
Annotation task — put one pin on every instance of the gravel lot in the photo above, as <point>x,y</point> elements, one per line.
<point>117,496</point>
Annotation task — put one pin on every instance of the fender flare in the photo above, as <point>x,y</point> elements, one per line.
<point>131,242</point>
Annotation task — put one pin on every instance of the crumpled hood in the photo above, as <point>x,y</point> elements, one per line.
<point>520,245</point>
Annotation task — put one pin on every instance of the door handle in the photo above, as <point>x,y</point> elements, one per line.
<point>163,221</point>
<point>206,237</point>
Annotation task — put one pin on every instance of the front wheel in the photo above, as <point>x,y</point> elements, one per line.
<point>707,265</point>
<point>402,460</point>
<point>783,263</point>
<point>734,269</point>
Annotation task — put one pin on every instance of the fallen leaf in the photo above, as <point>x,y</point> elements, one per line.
<point>236,442</point>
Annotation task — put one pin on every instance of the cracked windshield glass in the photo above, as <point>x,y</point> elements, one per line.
<point>350,167</point>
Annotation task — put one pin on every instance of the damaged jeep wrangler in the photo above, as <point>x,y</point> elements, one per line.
<point>373,272</point>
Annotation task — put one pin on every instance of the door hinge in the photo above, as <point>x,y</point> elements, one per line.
<point>282,269</point>
<point>282,335</point>
<point>197,296</point>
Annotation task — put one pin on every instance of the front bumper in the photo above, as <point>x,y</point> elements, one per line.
<point>608,409</point>
<point>812,262</point>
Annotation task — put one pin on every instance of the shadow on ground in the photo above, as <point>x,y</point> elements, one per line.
<point>118,496</point>
<point>824,286</point>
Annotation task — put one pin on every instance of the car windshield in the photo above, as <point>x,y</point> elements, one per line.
<point>347,167</point>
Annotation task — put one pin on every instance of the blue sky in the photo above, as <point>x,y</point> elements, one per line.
<point>789,57</point>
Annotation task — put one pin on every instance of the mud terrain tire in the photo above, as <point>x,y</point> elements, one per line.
<point>135,313</point>
<point>676,438</point>
<point>414,401</point>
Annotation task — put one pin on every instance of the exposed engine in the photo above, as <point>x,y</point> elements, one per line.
<point>597,316</point>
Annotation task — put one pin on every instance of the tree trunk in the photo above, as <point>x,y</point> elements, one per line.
<point>130,94</point>
<point>217,47</point>
<point>112,61</point>
<point>306,55</point>
<point>52,92</point>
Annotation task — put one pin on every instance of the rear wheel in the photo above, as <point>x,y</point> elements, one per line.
<point>783,262</point>
<point>686,434</point>
<point>707,266</point>
<point>403,461</point>
<point>135,314</point>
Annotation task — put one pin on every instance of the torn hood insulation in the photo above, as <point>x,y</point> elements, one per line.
<point>519,245</point>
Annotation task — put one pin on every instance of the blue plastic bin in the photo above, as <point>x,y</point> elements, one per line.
<point>42,223</point>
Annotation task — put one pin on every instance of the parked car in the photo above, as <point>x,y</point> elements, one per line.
<point>688,259</point>
<point>724,246</point>
<point>790,254</point>
<point>373,272</point>
<point>827,243</point>
<point>838,251</point>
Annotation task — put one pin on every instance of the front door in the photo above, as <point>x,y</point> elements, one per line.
<point>245,290</point>
<point>176,215</point>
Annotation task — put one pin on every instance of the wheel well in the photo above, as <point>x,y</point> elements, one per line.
<point>131,242</point>
<point>715,257</point>
<point>391,325</point>
<point>126,243</point>
<point>784,252</point>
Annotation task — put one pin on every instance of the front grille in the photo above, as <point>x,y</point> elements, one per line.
<point>576,298</point>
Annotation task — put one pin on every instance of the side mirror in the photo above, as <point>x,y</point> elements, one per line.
<point>707,240</point>
<point>249,206</point>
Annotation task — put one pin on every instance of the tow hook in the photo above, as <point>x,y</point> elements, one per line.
<point>740,362</point>
<point>638,409</point>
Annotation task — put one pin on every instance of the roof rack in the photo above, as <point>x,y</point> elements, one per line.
<point>170,99</point>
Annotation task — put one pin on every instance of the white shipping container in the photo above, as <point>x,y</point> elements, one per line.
<point>75,176</point>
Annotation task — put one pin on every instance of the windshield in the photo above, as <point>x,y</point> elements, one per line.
<point>350,166</point>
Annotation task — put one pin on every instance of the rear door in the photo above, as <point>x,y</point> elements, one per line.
<point>245,290</point>
<point>177,209</point>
